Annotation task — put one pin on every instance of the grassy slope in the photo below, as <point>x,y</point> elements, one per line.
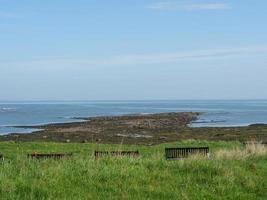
<point>149,177</point>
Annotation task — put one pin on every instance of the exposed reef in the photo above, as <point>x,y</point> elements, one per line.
<point>138,129</point>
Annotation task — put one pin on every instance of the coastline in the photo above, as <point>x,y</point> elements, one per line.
<point>146,129</point>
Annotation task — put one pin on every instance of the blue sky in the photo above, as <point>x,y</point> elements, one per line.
<point>121,50</point>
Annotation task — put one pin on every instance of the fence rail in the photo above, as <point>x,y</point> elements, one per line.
<point>176,153</point>
<point>116,153</point>
<point>46,155</point>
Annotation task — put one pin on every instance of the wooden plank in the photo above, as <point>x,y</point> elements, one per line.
<point>116,153</point>
<point>176,153</point>
<point>47,155</point>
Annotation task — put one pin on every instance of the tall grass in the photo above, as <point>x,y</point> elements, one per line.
<point>147,177</point>
<point>252,149</point>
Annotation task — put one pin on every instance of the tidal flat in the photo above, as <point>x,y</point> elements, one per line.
<point>149,129</point>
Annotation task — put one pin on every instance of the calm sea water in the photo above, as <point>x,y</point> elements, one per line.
<point>216,113</point>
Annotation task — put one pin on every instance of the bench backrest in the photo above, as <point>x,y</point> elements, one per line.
<point>43,155</point>
<point>176,153</point>
<point>116,153</point>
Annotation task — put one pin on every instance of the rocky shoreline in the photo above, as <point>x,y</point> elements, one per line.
<point>146,129</point>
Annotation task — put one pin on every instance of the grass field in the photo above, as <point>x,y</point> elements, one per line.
<point>231,172</point>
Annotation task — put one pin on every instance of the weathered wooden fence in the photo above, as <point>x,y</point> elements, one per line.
<point>116,153</point>
<point>176,153</point>
<point>46,155</point>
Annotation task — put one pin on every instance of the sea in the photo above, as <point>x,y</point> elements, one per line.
<point>215,113</point>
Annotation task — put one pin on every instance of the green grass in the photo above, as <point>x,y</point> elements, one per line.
<point>148,177</point>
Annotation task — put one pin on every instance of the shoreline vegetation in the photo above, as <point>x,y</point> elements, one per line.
<point>148,129</point>
<point>232,171</point>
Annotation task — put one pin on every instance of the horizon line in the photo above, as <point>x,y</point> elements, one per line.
<point>127,100</point>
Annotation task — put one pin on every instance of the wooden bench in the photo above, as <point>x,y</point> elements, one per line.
<point>46,155</point>
<point>177,153</point>
<point>116,153</point>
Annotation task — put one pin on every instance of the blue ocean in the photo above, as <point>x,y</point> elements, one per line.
<point>216,113</point>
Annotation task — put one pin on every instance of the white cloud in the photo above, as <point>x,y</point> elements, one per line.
<point>137,59</point>
<point>188,6</point>
<point>178,56</point>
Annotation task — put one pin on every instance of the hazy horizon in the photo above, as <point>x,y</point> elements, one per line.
<point>126,100</point>
<point>133,50</point>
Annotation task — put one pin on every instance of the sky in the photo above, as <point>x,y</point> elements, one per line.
<point>133,49</point>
